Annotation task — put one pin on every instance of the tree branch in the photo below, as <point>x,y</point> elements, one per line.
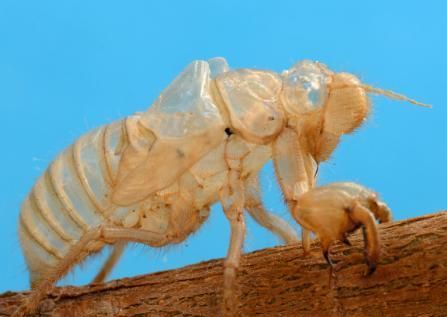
<point>411,280</point>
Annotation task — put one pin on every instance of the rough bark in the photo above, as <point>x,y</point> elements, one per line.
<point>411,280</point>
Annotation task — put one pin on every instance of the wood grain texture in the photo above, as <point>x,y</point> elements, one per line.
<point>411,280</point>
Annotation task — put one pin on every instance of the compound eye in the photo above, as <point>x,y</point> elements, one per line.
<point>305,86</point>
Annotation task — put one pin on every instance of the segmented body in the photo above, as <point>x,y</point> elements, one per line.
<point>73,196</point>
<point>69,198</point>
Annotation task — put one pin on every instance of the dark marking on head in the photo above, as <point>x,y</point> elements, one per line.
<point>228,131</point>
<point>271,118</point>
<point>180,153</point>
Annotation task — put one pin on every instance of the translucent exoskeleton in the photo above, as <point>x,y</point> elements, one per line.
<point>152,177</point>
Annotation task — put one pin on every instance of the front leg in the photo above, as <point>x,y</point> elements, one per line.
<point>295,170</point>
<point>232,200</point>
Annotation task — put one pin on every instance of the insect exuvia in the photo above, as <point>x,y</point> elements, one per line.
<point>152,177</point>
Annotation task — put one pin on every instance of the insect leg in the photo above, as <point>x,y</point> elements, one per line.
<point>153,239</point>
<point>79,252</point>
<point>325,247</point>
<point>371,237</point>
<point>117,251</point>
<point>325,244</point>
<point>270,221</point>
<point>232,200</point>
<point>295,170</point>
<point>75,255</point>
<point>305,238</point>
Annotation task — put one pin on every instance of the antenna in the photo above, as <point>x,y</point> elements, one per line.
<point>393,95</point>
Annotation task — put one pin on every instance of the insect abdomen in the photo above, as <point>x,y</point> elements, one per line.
<point>71,197</point>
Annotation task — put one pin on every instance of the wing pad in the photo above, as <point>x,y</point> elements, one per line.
<point>186,125</point>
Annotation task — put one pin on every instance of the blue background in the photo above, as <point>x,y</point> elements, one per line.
<point>69,66</point>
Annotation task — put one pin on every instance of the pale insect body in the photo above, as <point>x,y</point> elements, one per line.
<point>152,177</point>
